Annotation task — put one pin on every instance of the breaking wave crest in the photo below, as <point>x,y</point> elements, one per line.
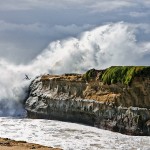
<point>104,46</point>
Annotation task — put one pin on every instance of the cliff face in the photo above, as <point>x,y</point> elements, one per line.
<point>117,107</point>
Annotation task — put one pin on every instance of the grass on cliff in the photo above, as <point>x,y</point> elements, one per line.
<point>114,74</point>
<point>124,74</point>
<point>90,74</point>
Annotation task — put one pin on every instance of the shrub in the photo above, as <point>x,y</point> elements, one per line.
<point>92,73</point>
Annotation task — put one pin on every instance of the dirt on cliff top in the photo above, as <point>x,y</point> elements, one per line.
<point>111,75</point>
<point>7,144</point>
<point>67,77</point>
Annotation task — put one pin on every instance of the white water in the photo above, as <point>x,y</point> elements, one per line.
<point>112,44</point>
<point>69,136</point>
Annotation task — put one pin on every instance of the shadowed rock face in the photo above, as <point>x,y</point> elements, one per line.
<point>117,107</point>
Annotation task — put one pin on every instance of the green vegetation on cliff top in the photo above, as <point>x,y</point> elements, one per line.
<point>122,74</point>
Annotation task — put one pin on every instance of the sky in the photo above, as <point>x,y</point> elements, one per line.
<point>27,27</point>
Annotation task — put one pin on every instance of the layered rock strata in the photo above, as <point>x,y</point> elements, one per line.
<point>117,107</point>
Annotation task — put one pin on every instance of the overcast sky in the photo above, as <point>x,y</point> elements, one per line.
<point>28,26</point>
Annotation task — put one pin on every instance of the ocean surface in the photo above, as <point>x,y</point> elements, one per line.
<point>69,136</point>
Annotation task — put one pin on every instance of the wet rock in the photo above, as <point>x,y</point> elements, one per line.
<point>70,98</point>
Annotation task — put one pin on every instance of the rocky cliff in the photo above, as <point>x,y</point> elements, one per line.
<point>117,99</point>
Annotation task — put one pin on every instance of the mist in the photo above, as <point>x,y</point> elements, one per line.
<point>28,26</point>
<point>104,46</point>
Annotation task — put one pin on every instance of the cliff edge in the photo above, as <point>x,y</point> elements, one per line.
<point>117,98</point>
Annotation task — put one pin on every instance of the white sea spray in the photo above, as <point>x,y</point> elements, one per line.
<point>104,46</point>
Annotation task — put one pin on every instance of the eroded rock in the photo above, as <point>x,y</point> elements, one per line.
<point>116,107</point>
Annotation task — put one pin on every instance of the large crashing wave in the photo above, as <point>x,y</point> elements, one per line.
<point>104,46</point>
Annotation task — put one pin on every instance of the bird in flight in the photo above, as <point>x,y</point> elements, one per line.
<point>27,77</point>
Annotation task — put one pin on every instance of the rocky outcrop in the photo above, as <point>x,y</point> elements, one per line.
<point>6,144</point>
<point>71,97</point>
